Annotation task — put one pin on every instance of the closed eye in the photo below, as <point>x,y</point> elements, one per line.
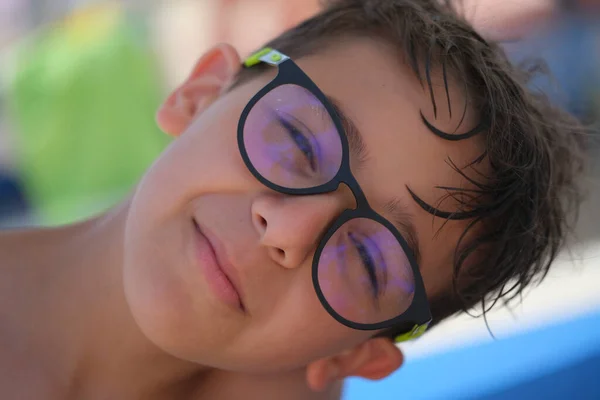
<point>301,140</point>
<point>368,263</point>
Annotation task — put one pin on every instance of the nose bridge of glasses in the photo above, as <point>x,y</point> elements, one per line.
<point>353,189</point>
<point>347,196</point>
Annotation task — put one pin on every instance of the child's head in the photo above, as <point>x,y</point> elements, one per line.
<point>445,143</point>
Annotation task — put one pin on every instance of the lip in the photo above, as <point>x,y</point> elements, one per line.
<point>219,273</point>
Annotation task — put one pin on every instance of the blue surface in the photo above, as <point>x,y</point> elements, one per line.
<point>579,381</point>
<point>560,361</point>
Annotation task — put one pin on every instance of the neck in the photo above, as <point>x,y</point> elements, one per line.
<point>289,386</point>
<point>80,332</point>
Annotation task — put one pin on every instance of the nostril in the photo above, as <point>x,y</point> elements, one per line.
<point>277,254</point>
<point>262,221</point>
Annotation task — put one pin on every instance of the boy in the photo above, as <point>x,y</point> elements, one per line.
<point>376,168</point>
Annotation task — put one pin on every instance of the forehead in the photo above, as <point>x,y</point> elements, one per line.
<point>385,100</point>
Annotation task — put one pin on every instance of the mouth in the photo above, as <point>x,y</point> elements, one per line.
<point>218,271</point>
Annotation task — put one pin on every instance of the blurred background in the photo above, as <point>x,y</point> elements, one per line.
<point>80,81</point>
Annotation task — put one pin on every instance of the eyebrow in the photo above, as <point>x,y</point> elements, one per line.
<point>396,208</point>
<point>358,149</point>
<point>403,220</point>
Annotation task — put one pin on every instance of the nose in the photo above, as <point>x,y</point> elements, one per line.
<point>291,227</point>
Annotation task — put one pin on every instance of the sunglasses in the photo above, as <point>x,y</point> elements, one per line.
<point>293,141</point>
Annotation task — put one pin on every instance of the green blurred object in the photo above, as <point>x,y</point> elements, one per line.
<point>83,99</point>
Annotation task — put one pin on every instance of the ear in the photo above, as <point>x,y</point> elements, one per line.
<point>374,359</point>
<point>210,77</point>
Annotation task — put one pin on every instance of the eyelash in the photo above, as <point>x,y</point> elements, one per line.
<point>303,143</point>
<point>368,262</point>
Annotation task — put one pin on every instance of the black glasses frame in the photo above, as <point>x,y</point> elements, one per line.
<point>416,318</point>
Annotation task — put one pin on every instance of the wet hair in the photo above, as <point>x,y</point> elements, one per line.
<point>520,211</point>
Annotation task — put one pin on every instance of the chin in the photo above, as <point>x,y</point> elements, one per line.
<point>172,318</point>
<point>156,303</point>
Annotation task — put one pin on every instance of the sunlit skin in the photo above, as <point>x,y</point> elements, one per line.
<point>117,306</point>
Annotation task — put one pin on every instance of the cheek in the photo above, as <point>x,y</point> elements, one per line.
<point>163,291</point>
<point>204,158</point>
<point>155,282</point>
<point>298,332</point>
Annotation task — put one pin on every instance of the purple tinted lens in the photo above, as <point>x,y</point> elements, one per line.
<point>291,139</point>
<point>357,247</point>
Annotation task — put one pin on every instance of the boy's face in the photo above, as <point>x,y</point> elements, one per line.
<point>201,179</point>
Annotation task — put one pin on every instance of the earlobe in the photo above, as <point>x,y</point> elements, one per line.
<point>373,359</point>
<point>211,75</point>
<point>384,358</point>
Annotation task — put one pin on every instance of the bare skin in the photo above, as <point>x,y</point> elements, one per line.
<point>36,363</point>
<point>112,307</point>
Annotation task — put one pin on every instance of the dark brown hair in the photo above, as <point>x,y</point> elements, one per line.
<point>529,201</point>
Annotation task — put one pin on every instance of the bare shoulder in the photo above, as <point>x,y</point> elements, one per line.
<point>19,378</point>
<point>20,374</point>
<point>14,243</point>
<point>20,247</point>
<point>15,251</point>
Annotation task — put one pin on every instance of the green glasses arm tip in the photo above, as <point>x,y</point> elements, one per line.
<point>254,59</point>
<point>415,332</point>
<point>266,55</point>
